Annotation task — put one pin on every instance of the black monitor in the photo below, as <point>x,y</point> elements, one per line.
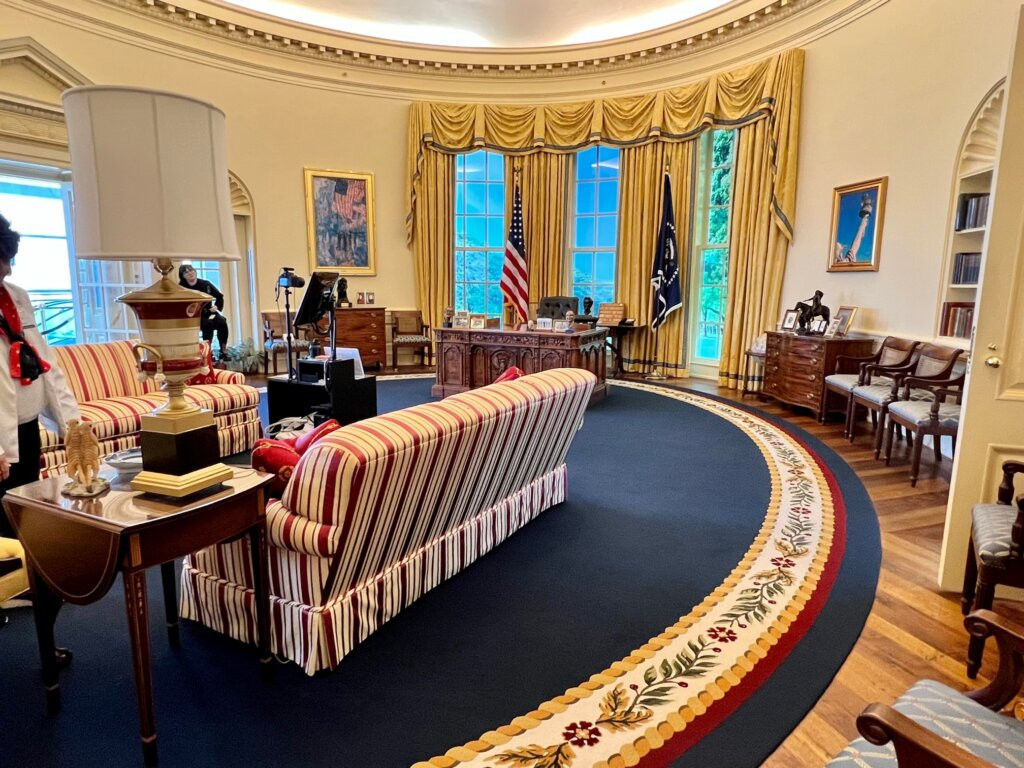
<point>317,300</point>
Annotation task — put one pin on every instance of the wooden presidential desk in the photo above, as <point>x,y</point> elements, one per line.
<point>470,358</point>
<point>75,547</point>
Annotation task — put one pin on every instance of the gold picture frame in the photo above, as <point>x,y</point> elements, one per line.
<point>844,316</point>
<point>858,212</point>
<point>339,221</point>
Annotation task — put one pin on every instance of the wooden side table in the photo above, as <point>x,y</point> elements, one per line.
<point>75,547</point>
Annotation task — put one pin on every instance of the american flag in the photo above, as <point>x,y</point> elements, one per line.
<point>515,279</point>
<point>348,194</point>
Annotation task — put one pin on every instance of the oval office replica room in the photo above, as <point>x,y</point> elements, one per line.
<point>427,385</point>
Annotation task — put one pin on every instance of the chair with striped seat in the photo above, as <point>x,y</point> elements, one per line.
<point>935,726</point>
<point>929,362</point>
<point>939,417</point>
<point>995,554</point>
<point>852,372</point>
<point>409,331</point>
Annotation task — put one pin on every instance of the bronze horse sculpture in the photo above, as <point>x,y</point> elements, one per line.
<point>810,309</point>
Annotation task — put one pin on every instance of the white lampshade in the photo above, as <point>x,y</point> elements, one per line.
<point>150,175</point>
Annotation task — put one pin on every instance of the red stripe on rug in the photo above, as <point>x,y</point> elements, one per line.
<point>718,711</point>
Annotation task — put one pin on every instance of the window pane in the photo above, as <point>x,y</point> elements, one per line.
<point>495,166</point>
<point>581,292</point>
<point>603,294</point>
<point>586,161</point>
<point>496,199</point>
<point>606,231</point>
<point>476,231</point>
<point>585,198</point>
<point>605,272</point>
<point>608,199</point>
<point>460,297</point>
<point>460,198</point>
<point>496,234</point>
<point>718,226</point>
<point>494,300</point>
<point>585,232</point>
<point>460,231</point>
<point>475,166</point>
<point>476,266</point>
<point>721,186</point>
<point>495,262</point>
<point>722,149</point>
<point>475,297</point>
<point>716,266</point>
<point>475,198</point>
<point>609,163</point>
<point>583,267</point>
<point>460,267</point>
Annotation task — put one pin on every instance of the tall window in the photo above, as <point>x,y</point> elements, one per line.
<point>35,208</point>
<point>596,222</point>
<point>479,232</point>
<point>711,242</point>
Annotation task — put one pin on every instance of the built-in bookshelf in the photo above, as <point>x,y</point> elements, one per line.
<point>968,222</point>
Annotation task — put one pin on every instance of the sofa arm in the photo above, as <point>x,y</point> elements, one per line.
<point>286,530</point>
<point>222,376</point>
<point>915,745</point>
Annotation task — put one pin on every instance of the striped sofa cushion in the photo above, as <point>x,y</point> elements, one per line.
<point>100,371</point>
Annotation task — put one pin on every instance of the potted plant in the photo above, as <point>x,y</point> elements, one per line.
<point>244,357</point>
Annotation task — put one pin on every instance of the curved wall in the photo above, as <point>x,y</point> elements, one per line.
<point>884,94</point>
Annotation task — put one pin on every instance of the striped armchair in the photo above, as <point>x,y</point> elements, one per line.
<point>380,511</point>
<point>105,383</point>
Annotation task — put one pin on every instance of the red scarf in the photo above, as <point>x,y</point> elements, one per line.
<point>10,314</point>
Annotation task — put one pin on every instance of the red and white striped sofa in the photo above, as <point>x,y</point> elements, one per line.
<point>380,511</point>
<point>104,380</point>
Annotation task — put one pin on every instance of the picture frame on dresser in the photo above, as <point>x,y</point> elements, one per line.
<point>339,221</point>
<point>855,240</point>
<point>478,322</point>
<point>833,326</point>
<point>461,320</point>
<point>845,317</point>
<point>790,320</point>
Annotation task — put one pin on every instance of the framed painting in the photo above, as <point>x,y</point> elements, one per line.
<point>339,222</point>
<point>790,320</point>
<point>844,316</point>
<point>856,233</point>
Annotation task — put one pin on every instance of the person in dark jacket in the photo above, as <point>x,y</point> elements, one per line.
<point>212,318</point>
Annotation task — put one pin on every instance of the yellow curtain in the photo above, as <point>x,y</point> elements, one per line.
<point>640,209</point>
<point>544,183</point>
<point>434,237</point>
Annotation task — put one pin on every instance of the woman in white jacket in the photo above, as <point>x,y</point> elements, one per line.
<point>31,382</point>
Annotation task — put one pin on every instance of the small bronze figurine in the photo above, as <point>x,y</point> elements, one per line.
<point>588,304</point>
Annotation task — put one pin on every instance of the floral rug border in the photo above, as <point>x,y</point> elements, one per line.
<point>639,703</point>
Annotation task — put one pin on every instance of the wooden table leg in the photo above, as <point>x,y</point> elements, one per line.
<point>45,605</point>
<point>138,627</point>
<point>261,586</point>
<point>170,603</point>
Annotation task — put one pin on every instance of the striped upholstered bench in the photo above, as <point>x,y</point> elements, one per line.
<point>379,512</point>
<point>105,383</point>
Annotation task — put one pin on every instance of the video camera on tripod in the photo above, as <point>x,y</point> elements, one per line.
<point>288,278</point>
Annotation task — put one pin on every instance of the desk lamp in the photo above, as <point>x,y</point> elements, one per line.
<point>150,178</point>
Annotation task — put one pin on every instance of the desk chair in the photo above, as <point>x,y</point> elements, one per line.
<point>13,574</point>
<point>894,351</point>
<point>555,307</point>
<point>930,361</point>
<point>274,339</point>
<point>920,417</point>
<point>995,554</point>
<point>409,330</point>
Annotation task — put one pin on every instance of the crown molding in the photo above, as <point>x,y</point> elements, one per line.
<point>321,60</point>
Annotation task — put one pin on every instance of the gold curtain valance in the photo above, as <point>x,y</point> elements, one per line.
<point>727,99</point>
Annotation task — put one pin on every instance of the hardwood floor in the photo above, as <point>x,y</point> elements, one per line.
<point>914,631</point>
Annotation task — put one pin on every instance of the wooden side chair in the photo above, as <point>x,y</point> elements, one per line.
<point>409,330</point>
<point>995,554</point>
<point>937,418</point>
<point>852,371</point>
<point>935,726</point>
<point>929,361</point>
<point>274,342</point>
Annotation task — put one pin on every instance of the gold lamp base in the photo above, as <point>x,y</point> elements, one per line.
<point>178,486</point>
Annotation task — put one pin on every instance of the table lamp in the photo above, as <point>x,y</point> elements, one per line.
<point>150,178</point>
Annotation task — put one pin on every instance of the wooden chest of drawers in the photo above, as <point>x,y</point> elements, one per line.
<point>363,328</point>
<point>795,367</point>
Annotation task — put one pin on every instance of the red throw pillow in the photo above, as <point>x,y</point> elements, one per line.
<point>276,457</point>
<point>305,440</point>
<point>511,374</point>
<point>209,377</point>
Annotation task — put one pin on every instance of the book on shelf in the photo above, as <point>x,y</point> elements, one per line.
<point>971,210</point>
<point>957,319</point>
<point>966,268</point>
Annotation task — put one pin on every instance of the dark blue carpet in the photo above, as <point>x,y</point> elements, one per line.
<point>664,501</point>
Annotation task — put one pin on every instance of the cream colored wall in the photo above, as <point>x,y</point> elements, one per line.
<point>887,94</point>
<point>891,95</point>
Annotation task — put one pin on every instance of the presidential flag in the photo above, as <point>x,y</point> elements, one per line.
<point>668,296</point>
<point>515,278</point>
